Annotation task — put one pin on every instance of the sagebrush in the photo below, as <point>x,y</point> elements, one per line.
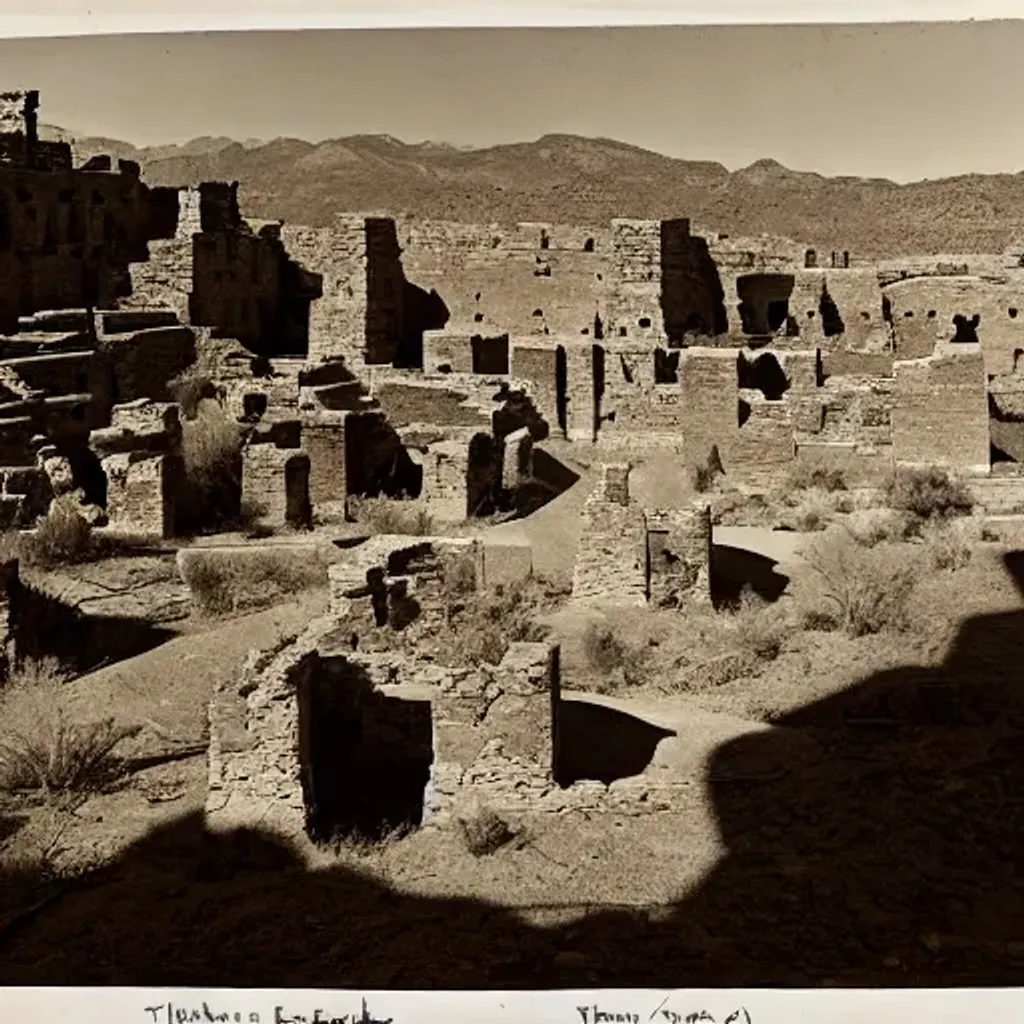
<point>225,582</point>
<point>928,493</point>
<point>859,590</point>
<point>43,745</point>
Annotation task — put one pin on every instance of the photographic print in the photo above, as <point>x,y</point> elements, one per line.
<point>512,509</point>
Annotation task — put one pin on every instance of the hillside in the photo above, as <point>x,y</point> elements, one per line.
<point>567,178</point>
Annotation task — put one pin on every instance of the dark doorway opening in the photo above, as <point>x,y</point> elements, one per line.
<point>365,756</point>
<point>764,374</point>
<point>966,331</point>
<point>764,302</point>
<point>561,389</point>
<point>490,355</point>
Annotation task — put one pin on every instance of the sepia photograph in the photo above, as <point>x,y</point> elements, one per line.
<point>512,509</point>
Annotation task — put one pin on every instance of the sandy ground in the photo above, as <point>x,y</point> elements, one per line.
<point>871,835</point>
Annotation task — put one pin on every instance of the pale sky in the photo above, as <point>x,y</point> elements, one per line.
<point>900,101</point>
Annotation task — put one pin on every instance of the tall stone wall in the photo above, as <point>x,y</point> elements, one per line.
<point>611,555</point>
<point>494,734</point>
<point>940,414</point>
<point>526,280</point>
<point>923,311</point>
<point>679,544</point>
<point>275,484</point>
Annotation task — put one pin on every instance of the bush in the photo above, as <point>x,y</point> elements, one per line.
<point>760,627</point>
<point>806,476</point>
<point>484,832</point>
<point>41,746</point>
<point>191,387</point>
<point>616,662</point>
<point>211,449</point>
<point>869,527</point>
<point>61,537</point>
<point>387,515</point>
<point>928,494</point>
<point>950,545</point>
<point>224,582</point>
<point>857,589</point>
<point>480,625</point>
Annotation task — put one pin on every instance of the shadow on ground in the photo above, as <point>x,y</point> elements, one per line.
<point>895,860</point>
<point>602,744</point>
<point>734,570</point>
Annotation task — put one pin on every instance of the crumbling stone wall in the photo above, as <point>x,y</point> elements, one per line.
<point>275,485</point>
<point>611,556</point>
<point>522,280</point>
<point>67,236</point>
<point>679,544</point>
<point>940,415</point>
<point>494,734</point>
<point>140,458</point>
<point>923,311</point>
<point>359,316</point>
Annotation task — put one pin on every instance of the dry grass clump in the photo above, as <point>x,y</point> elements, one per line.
<point>872,526</point>
<point>806,475</point>
<point>929,493</point>
<point>701,649</point>
<point>42,746</point>
<point>950,544</point>
<point>859,590</point>
<point>211,449</point>
<point>387,515</point>
<point>62,537</point>
<point>225,582</point>
<point>481,625</point>
<point>483,831</point>
<point>614,661</point>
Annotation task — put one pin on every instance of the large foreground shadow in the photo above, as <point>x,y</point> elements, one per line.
<point>893,859</point>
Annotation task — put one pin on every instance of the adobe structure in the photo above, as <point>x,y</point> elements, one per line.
<point>430,362</point>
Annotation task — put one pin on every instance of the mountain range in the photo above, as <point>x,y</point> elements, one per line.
<point>575,179</point>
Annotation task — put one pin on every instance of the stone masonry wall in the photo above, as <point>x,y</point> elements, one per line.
<point>275,483</point>
<point>940,416</point>
<point>611,556</point>
<point>679,543</point>
<point>494,734</point>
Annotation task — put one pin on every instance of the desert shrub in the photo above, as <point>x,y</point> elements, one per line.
<point>806,475</point>
<point>458,577</point>
<point>859,590</point>
<point>615,661</point>
<point>61,537</point>
<point>760,627</point>
<point>386,515</point>
<point>950,544</point>
<point>484,832</point>
<point>872,526</point>
<point>928,493</point>
<point>480,625</point>
<point>224,582</point>
<point>706,474</point>
<point>603,650</point>
<point>42,746</point>
<point>211,449</point>
<point>191,387</point>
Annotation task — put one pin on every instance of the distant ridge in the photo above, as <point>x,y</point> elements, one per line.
<point>571,178</point>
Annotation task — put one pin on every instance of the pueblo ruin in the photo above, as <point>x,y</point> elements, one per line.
<point>447,368</point>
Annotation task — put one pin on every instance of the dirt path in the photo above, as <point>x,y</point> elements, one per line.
<point>168,688</point>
